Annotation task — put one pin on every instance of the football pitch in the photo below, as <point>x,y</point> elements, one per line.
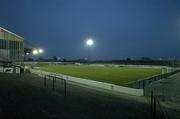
<point>123,76</point>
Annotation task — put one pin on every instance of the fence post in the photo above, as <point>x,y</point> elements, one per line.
<point>45,81</point>
<point>64,87</point>
<point>151,101</point>
<point>53,84</point>
<point>154,111</point>
<point>143,84</point>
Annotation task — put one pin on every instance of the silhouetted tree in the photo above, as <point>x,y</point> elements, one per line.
<point>54,58</point>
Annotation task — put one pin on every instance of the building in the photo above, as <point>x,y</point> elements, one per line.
<point>11,49</point>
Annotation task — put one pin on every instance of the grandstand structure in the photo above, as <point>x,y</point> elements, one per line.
<point>11,50</point>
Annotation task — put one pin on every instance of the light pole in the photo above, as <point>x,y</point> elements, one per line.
<point>89,43</point>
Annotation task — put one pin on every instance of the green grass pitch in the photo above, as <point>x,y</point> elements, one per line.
<point>116,75</point>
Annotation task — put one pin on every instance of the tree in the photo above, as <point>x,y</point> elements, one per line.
<point>146,59</point>
<point>54,58</point>
<point>128,59</point>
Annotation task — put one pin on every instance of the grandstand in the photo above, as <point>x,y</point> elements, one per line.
<point>11,51</point>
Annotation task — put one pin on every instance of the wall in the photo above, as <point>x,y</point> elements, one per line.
<point>1,69</point>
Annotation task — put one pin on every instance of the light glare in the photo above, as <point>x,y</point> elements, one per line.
<point>89,42</point>
<point>35,52</point>
<point>41,51</point>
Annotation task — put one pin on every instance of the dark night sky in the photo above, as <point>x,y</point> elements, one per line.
<point>121,28</point>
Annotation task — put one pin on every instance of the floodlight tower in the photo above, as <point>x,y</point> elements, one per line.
<point>34,52</point>
<point>37,51</point>
<point>89,43</point>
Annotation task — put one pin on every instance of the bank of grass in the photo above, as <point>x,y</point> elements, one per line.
<point>116,75</point>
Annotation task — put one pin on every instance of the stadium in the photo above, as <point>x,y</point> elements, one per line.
<point>86,78</point>
<point>89,59</point>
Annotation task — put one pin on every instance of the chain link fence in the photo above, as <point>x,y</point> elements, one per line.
<point>141,84</point>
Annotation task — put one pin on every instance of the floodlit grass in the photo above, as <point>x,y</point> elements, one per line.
<point>116,75</point>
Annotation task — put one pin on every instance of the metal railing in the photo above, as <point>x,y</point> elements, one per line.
<point>157,108</point>
<point>141,84</point>
<point>54,79</point>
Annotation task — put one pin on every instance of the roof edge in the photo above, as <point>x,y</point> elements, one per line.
<point>11,32</point>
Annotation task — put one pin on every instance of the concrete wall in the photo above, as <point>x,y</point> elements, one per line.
<point>108,86</point>
<point>6,69</point>
<point>10,69</point>
<point>1,69</point>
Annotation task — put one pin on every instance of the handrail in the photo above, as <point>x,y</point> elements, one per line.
<point>154,103</point>
<point>54,80</point>
<point>162,111</point>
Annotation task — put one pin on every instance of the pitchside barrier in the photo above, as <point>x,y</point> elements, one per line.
<point>141,84</point>
<point>137,90</point>
<point>157,110</point>
<point>86,82</point>
<point>54,79</point>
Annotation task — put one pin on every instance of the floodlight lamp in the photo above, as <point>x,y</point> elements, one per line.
<point>89,42</point>
<point>35,52</point>
<point>41,51</point>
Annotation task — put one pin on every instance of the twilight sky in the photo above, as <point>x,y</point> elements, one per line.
<point>121,28</point>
